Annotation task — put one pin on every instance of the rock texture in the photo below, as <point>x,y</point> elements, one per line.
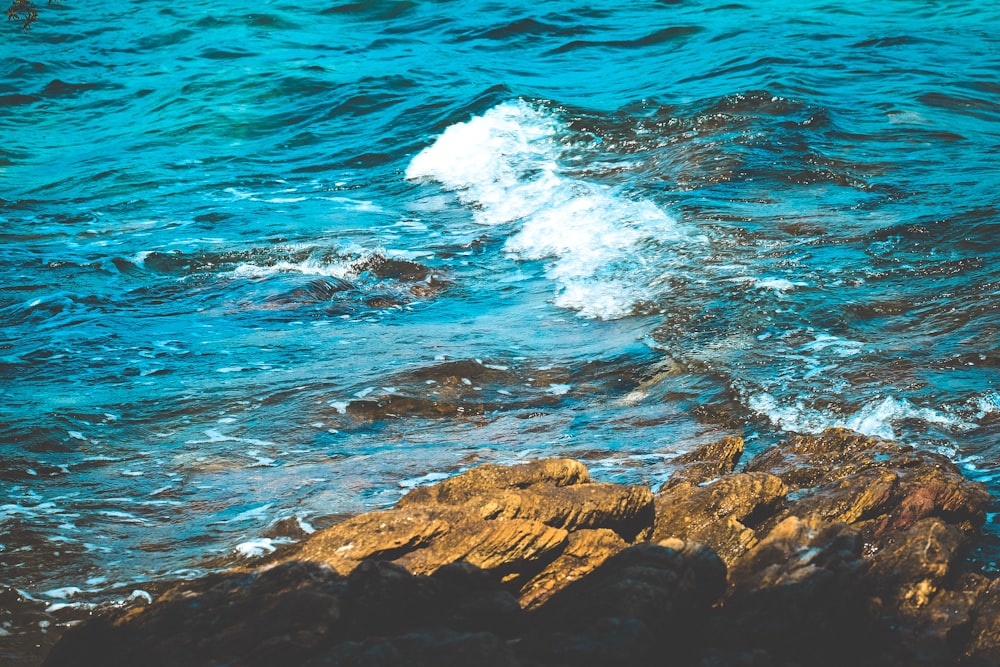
<point>826,550</point>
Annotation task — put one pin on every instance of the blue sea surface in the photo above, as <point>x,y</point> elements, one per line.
<point>265,268</point>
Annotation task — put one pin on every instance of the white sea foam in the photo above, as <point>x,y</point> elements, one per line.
<point>62,593</point>
<point>778,284</point>
<point>505,165</point>
<point>987,404</point>
<point>429,478</point>
<point>876,418</point>
<point>308,267</point>
<point>256,548</point>
<point>254,514</point>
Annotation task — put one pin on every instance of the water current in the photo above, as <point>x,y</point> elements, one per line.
<point>262,268</point>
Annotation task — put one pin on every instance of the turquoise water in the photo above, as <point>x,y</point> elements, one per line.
<point>288,264</point>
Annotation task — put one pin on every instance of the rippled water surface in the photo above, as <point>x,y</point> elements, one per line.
<point>264,269</point>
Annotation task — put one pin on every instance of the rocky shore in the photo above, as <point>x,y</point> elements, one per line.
<point>826,550</point>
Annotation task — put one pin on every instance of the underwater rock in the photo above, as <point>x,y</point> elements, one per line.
<point>825,550</point>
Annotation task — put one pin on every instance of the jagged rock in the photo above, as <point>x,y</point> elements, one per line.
<point>511,520</point>
<point>585,552</point>
<point>842,469</point>
<point>983,646</point>
<point>426,539</point>
<point>482,479</point>
<point>804,461</point>
<point>795,551</point>
<point>917,561</point>
<point>709,462</point>
<point>557,492</point>
<point>936,488</point>
<point>647,595</point>
<point>376,535</point>
<point>847,500</point>
<point>715,514</point>
<point>626,509</point>
<point>798,595</point>
<point>514,547</point>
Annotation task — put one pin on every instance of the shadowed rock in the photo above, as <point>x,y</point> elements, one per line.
<point>645,597</point>
<point>585,552</point>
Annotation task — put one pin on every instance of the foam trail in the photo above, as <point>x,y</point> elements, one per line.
<point>505,165</point>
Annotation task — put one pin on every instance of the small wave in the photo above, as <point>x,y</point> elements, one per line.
<point>877,418</point>
<point>505,165</point>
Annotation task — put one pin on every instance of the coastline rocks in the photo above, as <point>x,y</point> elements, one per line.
<point>513,521</point>
<point>825,550</point>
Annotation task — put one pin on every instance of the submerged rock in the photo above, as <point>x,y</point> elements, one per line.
<point>826,550</point>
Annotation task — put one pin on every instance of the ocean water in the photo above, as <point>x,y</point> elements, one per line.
<point>262,269</point>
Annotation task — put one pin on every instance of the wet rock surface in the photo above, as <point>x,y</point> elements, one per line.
<point>826,550</point>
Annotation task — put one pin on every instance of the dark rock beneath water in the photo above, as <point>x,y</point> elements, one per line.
<point>826,550</point>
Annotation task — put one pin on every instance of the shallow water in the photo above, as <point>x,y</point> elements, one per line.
<point>289,264</point>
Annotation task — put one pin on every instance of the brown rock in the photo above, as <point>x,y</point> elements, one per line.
<point>715,514</point>
<point>395,405</point>
<point>625,509</point>
<point>554,491</point>
<point>804,461</point>
<point>913,566</point>
<point>797,550</point>
<point>472,483</point>
<point>709,462</point>
<point>426,539</point>
<point>505,547</point>
<point>983,646</point>
<point>585,552</point>
<point>858,564</point>
<point>377,535</point>
<point>798,595</point>
<point>935,489</point>
<point>847,500</point>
